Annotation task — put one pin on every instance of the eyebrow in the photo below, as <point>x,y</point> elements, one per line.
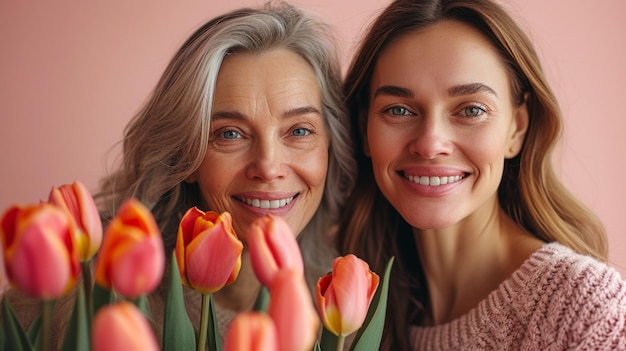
<point>472,88</point>
<point>457,90</point>
<point>298,111</point>
<point>393,90</point>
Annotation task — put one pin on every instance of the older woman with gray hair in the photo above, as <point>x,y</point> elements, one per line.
<point>248,118</point>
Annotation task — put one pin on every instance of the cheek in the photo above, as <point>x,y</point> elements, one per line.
<point>382,144</point>
<point>487,155</point>
<point>214,176</point>
<point>313,167</point>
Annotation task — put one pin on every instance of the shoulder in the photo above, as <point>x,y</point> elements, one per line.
<point>577,299</point>
<point>555,266</point>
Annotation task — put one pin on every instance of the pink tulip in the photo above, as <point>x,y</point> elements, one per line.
<point>75,199</point>
<point>121,326</point>
<point>132,259</point>
<point>40,254</point>
<point>251,331</point>
<point>208,251</point>
<point>344,296</point>
<point>292,310</point>
<point>273,247</point>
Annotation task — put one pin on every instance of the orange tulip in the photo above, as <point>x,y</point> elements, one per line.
<point>251,331</point>
<point>208,251</point>
<point>273,247</point>
<point>40,254</point>
<point>75,198</point>
<point>344,296</point>
<point>122,326</point>
<point>132,259</point>
<point>292,310</point>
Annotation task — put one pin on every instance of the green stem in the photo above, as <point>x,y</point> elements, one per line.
<point>204,320</point>
<point>340,342</point>
<point>46,324</point>
<point>88,286</point>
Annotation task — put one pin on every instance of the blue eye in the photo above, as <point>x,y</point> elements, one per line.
<point>300,132</point>
<point>473,111</point>
<point>230,134</point>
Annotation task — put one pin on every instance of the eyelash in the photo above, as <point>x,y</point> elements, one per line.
<point>306,130</point>
<point>390,109</point>
<point>229,131</point>
<point>482,109</point>
<point>222,134</point>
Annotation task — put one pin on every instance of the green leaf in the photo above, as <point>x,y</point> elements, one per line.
<point>16,339</point>
<point>213,336</point>
<point>34,331</point>
<point>101,297</point>
<point>370,334</point>
<point>328,341</point>
<point>178,333</point>
<point>2,340</point>
<point>77,334</point>
<point>262,300</point>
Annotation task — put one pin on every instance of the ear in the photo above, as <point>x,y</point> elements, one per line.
<point>518,129</point>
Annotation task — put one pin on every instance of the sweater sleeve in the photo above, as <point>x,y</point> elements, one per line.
<point>587,308</point>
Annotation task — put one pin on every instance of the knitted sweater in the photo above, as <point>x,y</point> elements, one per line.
<point>557,300</point>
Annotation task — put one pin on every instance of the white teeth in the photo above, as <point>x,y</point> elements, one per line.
<point>265,204</point>
<point>434,181</point>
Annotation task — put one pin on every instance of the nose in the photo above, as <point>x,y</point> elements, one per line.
<point>267,161</point>
<point>432,138</point>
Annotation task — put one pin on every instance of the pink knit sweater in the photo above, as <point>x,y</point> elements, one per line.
<point>557,300</point>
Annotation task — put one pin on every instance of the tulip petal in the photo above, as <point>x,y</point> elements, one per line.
<point>132,257</point>
<point>8,226</point>
<point>40,263</point>
<point>78,202</point>
<point>293,312</point>
<point>273,247</point>
<point>344,295</point>
<point>251,331</point>
<point>211,259</point>
<point>187,225</point>
<point>122,327</point>
<point>139,269</point>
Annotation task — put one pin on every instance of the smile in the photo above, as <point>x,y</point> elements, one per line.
<point>265,204</point>
<point>434,181</point>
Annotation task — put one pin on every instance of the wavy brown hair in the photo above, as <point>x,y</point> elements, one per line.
<point>530,192</point>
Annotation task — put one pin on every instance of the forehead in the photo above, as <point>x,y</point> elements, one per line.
<point>266,66</point>
<point>445,53</point>
<point>276,73</point>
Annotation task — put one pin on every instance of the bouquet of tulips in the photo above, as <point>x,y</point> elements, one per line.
<point>48,246</point>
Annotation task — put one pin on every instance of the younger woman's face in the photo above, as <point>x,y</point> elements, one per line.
<point>440,124</point>
<point>268,149</point>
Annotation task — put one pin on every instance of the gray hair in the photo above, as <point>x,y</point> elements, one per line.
<point>167,139</point>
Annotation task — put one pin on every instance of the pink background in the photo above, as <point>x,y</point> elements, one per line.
<point>72,73</point>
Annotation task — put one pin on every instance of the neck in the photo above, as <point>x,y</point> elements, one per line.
<point>240,295</point>
<point>464,263</point>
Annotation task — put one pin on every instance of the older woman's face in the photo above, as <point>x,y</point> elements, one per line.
<point>268,149</point>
